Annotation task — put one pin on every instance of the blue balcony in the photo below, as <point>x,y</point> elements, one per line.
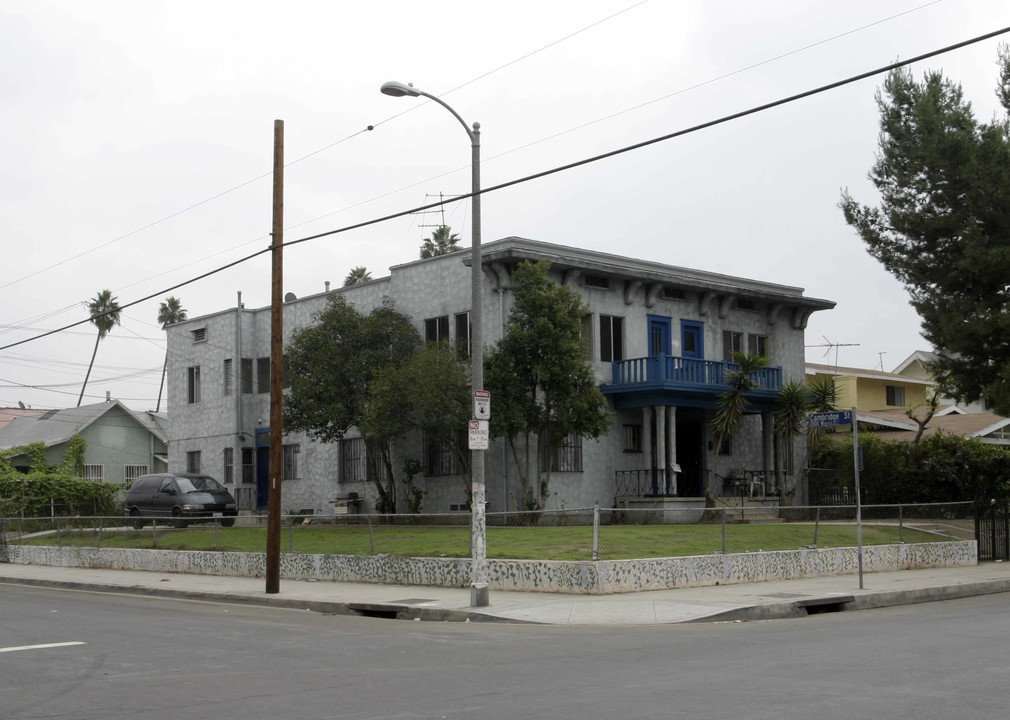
<point>669,380</point>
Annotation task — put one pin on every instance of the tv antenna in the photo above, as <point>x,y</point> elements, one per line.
<point>833,345</point>
<point>425,220</point>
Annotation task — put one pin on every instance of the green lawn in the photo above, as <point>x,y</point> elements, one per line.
<point>554,543</point>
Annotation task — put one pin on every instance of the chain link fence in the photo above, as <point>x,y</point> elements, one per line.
<point>579,534</point>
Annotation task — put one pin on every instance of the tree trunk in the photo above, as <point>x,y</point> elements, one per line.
<point>162,386</point>
<point>90,364</point>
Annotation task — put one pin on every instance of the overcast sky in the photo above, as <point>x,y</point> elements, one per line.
<point>138,138</point>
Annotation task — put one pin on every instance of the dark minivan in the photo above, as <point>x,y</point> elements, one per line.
<point>180,496</point>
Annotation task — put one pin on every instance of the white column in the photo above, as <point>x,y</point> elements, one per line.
<point>661,447</point>
<point>647,443</point>
<point>671,443</point>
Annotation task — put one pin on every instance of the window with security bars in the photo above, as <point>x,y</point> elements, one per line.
<point>563,456</point>
<point>93,472</point>
<point>132,472</point>
<point>229,377</point>
<point>290,471</point>
<point>229,465</point>
<point>248,466</point>
<point>441,456</point>
<point>193,461</point>
<point>263,375</point>
<point>353,460</point>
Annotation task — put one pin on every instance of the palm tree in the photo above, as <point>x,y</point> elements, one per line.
<point>357,275</point>
<point>794,401</point>
<point>732,403</point>
<point>822,396</point>
<point>443,241</point>
<point>104,310</point>
<point>170,312</point>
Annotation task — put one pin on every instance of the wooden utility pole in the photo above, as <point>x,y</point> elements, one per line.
<point>273,559</point>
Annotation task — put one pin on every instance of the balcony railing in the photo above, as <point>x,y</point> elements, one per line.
<point>688,371</point>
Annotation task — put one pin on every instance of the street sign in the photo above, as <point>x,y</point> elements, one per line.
<point>479,435</point>
<point>482,404</point>
<point>830,419</point>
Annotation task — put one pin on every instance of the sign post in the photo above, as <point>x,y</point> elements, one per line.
<point>847,417</point>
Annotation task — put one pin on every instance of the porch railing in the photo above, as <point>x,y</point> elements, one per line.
<point>690,371</point>
<point>656,482</point>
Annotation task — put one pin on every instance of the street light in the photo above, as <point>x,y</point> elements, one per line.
<point>478,550</point>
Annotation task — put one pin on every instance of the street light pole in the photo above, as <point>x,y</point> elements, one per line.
<point>478,527</point>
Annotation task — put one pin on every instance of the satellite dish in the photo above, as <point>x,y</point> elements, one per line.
<point>289,297</point>
<point>21,405</point>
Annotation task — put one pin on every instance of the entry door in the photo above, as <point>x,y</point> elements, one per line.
<point>659,346</point>
<point>692,339</point>
<point>659,335</point>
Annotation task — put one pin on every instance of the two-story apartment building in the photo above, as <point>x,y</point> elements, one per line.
<point>659,340</point>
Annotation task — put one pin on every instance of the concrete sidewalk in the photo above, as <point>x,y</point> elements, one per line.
<point>749,601</point>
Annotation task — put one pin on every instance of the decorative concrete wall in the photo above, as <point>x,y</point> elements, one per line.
<point>602,577</point>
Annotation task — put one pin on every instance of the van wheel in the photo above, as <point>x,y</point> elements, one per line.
<point>227,522</point>
<point>137,522</point>
<point>179,523</point>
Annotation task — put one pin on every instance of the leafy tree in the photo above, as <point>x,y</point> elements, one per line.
<point>442,242</point>
<point>333,364</point>
<point>170,312</point>
<point>430,393</point>
<point>943,224</point>
<point>539,376</point>
<point>357,275</point>
<point>104,310</point>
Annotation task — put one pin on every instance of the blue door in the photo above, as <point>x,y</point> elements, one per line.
<point>659,335</point>
<point>692,339</point>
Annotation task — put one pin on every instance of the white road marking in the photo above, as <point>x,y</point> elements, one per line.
<point>40,647</point>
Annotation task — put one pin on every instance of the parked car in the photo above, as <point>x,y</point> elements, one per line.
<point>184,497</point>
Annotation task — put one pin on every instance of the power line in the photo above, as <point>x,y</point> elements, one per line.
<point>552,171</point>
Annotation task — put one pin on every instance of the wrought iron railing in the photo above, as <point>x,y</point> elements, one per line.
<point>656,482</point>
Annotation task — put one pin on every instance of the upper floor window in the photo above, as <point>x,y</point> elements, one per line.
<point>229,377</point>
<point>247,376</point>
<point>193,385</point>
<point>199,335</point>
<point>746,305</point>
<point>463,335</point>
<point>732,342</point>
<point>895,396</point>
<point>436,329</point>
<point>611,338</point>
<point>670,293</point>
<point>263,375</point>
<point>596,281</point>
<point>757,345</point>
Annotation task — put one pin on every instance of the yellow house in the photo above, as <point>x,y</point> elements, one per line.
<point>870,390</point>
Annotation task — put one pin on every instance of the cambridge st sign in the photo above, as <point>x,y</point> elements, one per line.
<point>830,419</point>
